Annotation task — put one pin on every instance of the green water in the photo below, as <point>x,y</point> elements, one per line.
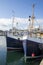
<point>17,58</point>
<point>13,56</point>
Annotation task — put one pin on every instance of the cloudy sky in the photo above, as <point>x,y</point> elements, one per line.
<point>21,10</point>
<point>19,23</point>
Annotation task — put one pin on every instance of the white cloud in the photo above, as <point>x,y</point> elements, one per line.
<point>20,23</point>
<point>5,23</point>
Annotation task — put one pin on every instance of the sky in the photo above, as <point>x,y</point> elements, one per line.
<point>20,9</point>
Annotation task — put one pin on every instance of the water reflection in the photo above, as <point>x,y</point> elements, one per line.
<point>17,58</point>
<point>3,50</point>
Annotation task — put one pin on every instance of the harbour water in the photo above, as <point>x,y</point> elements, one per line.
<point>17,58</point>
<point>3,50</point>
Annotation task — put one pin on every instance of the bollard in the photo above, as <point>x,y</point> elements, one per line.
<point>3,50</point>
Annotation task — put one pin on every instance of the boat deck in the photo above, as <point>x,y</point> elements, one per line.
<point>38,40</point>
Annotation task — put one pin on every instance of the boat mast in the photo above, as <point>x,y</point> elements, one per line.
<point>12,21</point>
<point>31,19</point>
<point>32,16</point>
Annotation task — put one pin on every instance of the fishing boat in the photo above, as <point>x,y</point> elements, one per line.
<point>14,43</point>
<point>14,40</point>
<point>33,41</point>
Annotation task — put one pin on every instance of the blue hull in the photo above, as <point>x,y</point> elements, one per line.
<point>31,47</point>
<point>14,43</point>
